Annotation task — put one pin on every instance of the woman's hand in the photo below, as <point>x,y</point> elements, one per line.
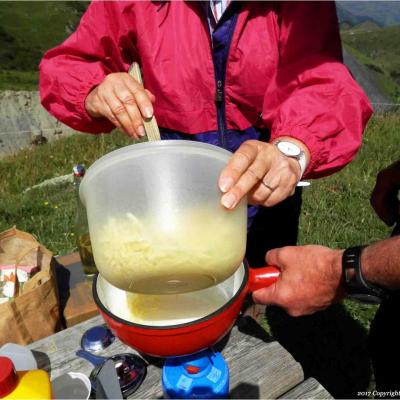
<point>260,170</point>
<point>123,101</point>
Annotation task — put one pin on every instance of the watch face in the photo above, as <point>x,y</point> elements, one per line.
<point>288,148</point>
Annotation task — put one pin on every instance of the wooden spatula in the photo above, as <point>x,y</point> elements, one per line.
<point>150,125</point>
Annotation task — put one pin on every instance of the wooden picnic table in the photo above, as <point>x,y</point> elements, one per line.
<point>259,367</point>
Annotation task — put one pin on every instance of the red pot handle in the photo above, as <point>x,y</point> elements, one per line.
<point>260,278</point>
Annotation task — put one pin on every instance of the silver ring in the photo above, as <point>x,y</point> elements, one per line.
<point>267,186</point>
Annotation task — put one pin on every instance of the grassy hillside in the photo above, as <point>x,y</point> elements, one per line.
<point>379,50</point>
<point>27,30</point>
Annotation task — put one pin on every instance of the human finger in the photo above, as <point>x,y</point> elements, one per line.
<point>94,105</point>
<point>272,257</point>
<point>259,194</point>
<point>239,162</point>
<point>108,113</point>
<point>251,177</point>
<point>264,188</point>
<point>267,296</point>
<point>245,171</point>
<point>128,99</point>
<point>284,184</point>
<point>151,95</point>
<point>110,116</point>
<point>113,119</point>
<point>142,99</point>
<point>119,112</point>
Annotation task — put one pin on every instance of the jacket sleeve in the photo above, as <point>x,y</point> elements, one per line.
<point>313,97</point>
<point>69,71</point>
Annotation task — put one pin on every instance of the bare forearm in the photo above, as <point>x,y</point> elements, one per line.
<point>381,263</point>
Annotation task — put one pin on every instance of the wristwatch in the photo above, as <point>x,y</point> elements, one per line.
<point>356,286</point>
<point>292,150</point>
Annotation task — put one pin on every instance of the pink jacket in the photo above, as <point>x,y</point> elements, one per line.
<point>284,63</point>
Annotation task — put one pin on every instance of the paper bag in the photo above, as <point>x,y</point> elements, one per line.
<point>34,312</point>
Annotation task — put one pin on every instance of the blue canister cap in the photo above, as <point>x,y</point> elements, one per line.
<point>203,375</point>
<point>96,339</point>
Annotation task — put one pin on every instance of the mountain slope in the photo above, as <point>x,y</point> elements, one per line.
<point>385,13</point>
<point>347,17</point>
<point>29,28</point>
<point>378,49</point>
<point>367,80</point>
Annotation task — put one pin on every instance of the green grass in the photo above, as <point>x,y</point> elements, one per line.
<point>19,80</point>
<point>48,213</point>
<point>377,48</point>
<point>336,210</point>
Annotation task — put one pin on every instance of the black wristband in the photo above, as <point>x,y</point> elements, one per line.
<point>357,287</point>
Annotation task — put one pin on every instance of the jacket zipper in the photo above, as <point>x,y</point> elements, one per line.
<point>220,84</point>
<point>220,103</point>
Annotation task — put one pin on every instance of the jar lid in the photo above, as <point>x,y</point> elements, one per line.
<point>97,339</point>
<point>8,376</point>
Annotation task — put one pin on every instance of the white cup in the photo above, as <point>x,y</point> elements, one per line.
<point>72,385</point>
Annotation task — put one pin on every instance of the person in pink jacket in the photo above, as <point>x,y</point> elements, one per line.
<point>264,80</point>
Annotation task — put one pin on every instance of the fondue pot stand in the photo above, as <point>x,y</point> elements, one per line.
<point>189,337</point>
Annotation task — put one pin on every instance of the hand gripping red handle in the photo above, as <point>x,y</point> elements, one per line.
<point>260,278</point>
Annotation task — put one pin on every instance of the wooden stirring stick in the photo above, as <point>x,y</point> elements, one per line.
<point>150,125</point>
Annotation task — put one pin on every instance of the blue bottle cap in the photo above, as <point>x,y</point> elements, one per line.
<point>97,339</point>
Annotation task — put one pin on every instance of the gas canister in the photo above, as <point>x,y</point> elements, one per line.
<point>203,375</point>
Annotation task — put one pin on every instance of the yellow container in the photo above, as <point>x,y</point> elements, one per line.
<point>33,384</point>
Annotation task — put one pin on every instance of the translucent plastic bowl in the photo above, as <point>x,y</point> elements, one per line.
<point>155,218</point>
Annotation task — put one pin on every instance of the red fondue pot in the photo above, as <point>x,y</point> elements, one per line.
<point>166,340</point>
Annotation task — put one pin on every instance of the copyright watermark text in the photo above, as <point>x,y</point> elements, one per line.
<point>380,395</point>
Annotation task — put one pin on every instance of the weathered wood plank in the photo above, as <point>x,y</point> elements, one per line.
<point>80,305</point>
<point>56,353</point>
<point>76,291</point>
<point>259,367</point>
<point>309,389</point>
